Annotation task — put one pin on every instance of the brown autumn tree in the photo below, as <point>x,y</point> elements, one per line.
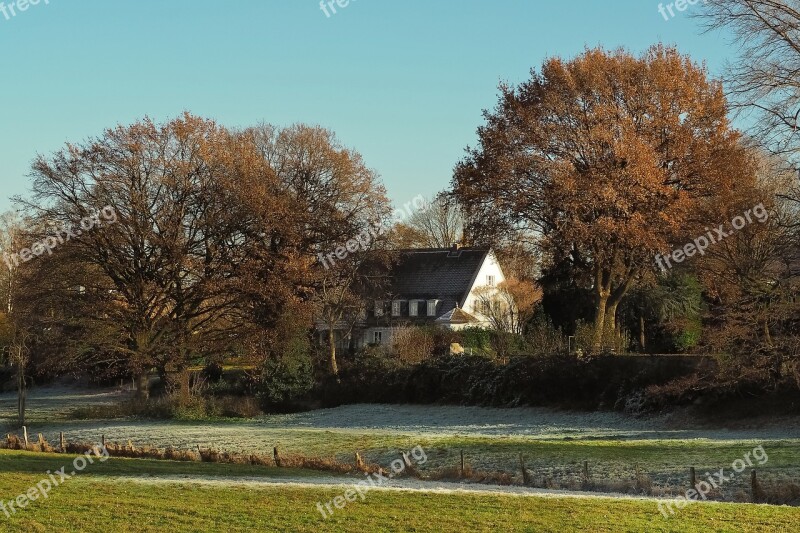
<point>610,158</point>
<point>751,279</point>
<point>176,239</point>
<point>215,238</point>
<point>338,205</point>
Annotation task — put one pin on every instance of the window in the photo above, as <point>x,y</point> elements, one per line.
<point>432,307</point>
<point>396,308</point>
<point>490,281</point>
<point>413,308</point>
<point>377,337</point>
<point>378,308</point>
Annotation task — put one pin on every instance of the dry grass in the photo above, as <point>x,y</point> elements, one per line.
<point>776,492</point>
<point>210,455</point>
<point>13,442</point>
<point>470,475</point>
<point>780,494</point>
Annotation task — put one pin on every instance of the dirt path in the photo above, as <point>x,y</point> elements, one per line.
<point>401,485</point>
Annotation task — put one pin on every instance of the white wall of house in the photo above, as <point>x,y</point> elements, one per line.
<point>381,336</point>
<point>490,274</point>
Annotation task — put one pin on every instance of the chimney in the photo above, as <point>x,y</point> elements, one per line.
<point>455,247</point>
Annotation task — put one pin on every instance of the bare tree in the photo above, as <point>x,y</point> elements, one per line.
<point>439,225</point>
<point>766,78</point>
<point>509,306</point>
<point>9,229</point>
<point>14,339</point>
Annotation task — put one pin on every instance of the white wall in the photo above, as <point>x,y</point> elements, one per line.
<point>490,267</point>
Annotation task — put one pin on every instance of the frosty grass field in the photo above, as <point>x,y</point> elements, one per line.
<point>554,446</point>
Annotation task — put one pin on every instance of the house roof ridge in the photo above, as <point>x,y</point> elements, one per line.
<point>442,250</point>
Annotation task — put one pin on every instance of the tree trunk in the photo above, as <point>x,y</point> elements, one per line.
<point>642,339</point>
<point>599,323</point>
<point>142,386</point>
<point>332,347</point>
<point>767,336</point>
<point>611,318</point>
<point>22,390</point>
<point>184,386</point>
<point>610,331</point>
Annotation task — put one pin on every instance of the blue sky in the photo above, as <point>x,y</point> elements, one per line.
<point>401,81</point>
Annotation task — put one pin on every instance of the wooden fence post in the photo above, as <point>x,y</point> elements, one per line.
<point>61,442</point>
<point>756,492</point>
<point>585,482</point>
<point>276,456</point>
<point>692,478</point>
<point>359,462</point>
<point>462,463</point>
<point>406,460</point>
<point>25,435</point>
<point>526,480</point>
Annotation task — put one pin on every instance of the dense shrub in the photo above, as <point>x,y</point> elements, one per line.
<point>543,338</point>
<point>212,372</point>
<point>175,408</point>
<point>556,380</point>
<point>288,375</point>
<point>687,334</point>
<point>287,371</point>
<point>478,339</point>
<point>286,380</point>
<point>412,344</point>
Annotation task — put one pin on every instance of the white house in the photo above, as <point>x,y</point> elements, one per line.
<point>439,287</point>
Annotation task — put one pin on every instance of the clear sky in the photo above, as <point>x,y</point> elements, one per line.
<point>401,81</point>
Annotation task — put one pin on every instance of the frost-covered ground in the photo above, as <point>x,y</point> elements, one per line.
<point>50,408</point>
<point>534,423</point>
<point>54,403</point>
<point>554,443</point>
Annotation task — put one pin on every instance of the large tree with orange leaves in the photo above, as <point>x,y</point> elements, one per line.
<point>610,158</point>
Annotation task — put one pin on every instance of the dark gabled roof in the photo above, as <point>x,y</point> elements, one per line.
<point>440,273</point>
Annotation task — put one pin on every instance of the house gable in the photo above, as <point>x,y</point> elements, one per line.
<point>489,270</point>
